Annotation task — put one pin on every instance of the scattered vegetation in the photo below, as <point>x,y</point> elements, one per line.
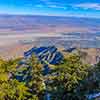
<point>70,80</point>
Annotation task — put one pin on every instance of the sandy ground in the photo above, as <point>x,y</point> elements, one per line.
<point>14,51</point>
<point>17,50</point>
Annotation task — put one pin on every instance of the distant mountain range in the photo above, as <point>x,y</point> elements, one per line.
<point>18,33</point>
<point>46,24</point>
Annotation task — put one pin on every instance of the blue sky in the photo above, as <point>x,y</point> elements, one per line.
<point>78,8</point>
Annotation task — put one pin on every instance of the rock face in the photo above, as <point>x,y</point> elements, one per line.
<point>45,55</point>
<point>70,50</point>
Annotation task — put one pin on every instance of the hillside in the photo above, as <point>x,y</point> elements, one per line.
<point>16,51</point>
<point>45,73</point>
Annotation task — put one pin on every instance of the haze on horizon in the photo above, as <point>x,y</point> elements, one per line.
<point>76,8</point>
<point>63,22</point>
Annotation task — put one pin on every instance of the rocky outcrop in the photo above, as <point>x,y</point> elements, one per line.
<point>46,55</point>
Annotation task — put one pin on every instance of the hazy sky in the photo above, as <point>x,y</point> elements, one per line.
<point>80,8</point>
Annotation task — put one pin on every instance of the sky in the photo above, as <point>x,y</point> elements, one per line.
<point>77,8</point>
